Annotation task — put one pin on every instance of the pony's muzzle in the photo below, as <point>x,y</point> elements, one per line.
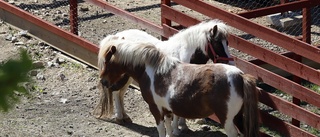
<point>105,83</point>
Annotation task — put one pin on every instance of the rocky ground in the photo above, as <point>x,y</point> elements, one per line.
<point>64,92</point>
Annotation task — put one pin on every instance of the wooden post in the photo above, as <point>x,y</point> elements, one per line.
<point>73,16</point>
<point>164,20</point>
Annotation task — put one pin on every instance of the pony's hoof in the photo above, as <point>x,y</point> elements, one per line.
<point>176,132</point>
<point>184,127</point>
<point>127,120</point>
<point>112,120</point>
<point>119,121</point>
<point>122,120</point>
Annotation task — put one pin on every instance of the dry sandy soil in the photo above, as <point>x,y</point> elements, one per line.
<point>64,92</point>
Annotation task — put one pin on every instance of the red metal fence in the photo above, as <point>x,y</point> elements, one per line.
<point>300,51</point>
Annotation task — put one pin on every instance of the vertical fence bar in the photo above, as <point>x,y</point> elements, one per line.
<point>283,2</point>
<point>163,19</point>
<point>306,25</point>
<point>306,37</point>
<point>73,16</point>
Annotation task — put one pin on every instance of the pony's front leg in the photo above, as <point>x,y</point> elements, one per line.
<point>123,90</point>
<point>158,116</point>
<point>121,116</point>
<point>118,109</point>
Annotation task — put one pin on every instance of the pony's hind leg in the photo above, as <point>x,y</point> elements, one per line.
<point>238,121</point>
<point>182,123</point>
<point>175,125</point>
<point>230,128</point>
<point>233,108</point>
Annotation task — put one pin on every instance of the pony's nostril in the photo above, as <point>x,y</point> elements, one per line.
<point>105,83</point>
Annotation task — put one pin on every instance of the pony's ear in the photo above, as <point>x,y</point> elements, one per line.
<point>110,52</point>
<point>113,49</point>
<point>214,31</point>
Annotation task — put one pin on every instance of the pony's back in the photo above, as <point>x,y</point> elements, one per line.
<point>136,35</point>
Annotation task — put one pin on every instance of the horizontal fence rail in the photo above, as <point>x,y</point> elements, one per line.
<point>65,41</point>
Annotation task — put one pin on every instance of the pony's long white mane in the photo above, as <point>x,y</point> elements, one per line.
<point>135,54</point>
<point>198,35</point>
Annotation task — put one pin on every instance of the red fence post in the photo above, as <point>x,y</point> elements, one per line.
<point>74,16</point>
<point>163,19</point>
<point>306,37</point>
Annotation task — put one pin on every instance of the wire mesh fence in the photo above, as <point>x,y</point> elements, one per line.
<point>96,22</point>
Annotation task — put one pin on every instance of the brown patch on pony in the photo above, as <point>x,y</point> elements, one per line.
<point>198,57</point>
<point>189,99</point>
<point>162,82</point>
<point>121,83</point>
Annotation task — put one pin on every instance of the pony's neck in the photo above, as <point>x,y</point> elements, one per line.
<point>193,37</point>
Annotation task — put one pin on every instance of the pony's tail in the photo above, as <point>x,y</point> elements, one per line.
<point>250,107</point>
<point>105,103</point>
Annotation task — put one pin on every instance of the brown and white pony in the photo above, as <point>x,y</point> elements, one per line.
<point>196,44</point>
<point>171,87</point>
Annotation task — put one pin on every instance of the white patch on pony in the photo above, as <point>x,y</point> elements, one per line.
<point>225,46</point>
<point>161,102</point>
<point>234,103</point>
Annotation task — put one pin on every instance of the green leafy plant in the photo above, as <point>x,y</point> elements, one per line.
<point>13,74</point>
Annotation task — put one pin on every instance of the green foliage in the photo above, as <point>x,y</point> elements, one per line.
<point>12,74</point>
<point>313,87</point>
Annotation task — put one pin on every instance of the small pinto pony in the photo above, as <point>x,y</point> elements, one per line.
<point>196,44</point>
<point>173,88</point>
